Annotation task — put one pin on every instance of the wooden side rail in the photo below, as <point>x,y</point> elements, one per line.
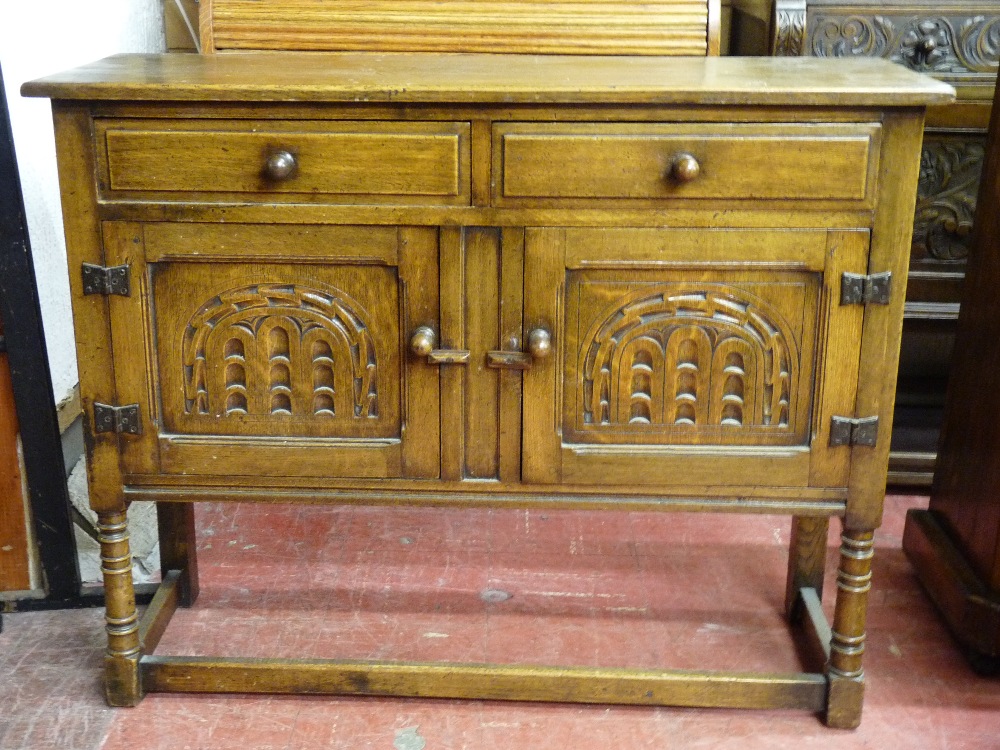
<point>157,616</point>
<point>600,685</point>
<point>484,682</point>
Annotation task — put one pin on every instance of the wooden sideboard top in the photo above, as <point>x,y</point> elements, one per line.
<point>501,79</point>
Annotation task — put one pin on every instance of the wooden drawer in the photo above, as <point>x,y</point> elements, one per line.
<point>307,161</point>
<point>582,162</point>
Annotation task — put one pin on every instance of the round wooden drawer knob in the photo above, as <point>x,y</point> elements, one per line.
<point>684,168</point>
<point>280,165</point>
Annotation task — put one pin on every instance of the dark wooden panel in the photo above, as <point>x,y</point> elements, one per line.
<point>955,545</point>
<point>966,493</point>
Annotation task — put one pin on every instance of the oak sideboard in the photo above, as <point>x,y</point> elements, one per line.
<point>484,280</point>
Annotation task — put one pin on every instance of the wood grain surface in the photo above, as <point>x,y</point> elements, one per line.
<point>457,78</point>
<point>661,27</point>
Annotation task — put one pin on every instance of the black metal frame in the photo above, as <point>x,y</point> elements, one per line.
<point>33,399</point>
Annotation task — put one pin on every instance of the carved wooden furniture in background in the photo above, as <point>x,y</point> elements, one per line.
<point>958,42</point>
<point>587,27</point>
<point>955,545</point>
<point>604,282</point>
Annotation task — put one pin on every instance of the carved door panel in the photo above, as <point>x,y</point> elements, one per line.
<point>276,350</point>
<point>690,357</point>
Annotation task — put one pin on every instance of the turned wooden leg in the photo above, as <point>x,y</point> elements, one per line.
<point>122,682</point>
<point>178,547</point>
<point>806,560</point>
<point>847,643</point>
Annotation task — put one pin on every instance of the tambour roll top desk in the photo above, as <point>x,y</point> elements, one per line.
<point>465,279</point>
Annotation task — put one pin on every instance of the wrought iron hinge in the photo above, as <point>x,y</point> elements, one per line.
<point>859,289</point>
<point>848,431</point>
<point>101,280</point>
<point>121,419</point>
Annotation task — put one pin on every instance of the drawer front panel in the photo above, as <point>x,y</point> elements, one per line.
<point>584,162</point>
<point>336,162</point>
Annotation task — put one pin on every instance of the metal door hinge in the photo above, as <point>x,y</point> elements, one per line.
<point>848,431</point>
<point>120,419</point>
<point>859,289</point>
<point>101,280</point>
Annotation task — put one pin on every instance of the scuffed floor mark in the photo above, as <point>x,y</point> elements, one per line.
<point>409,739</point>
<point>714,627</point>
<point>494,596</point>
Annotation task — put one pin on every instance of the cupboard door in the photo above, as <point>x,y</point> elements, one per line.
<point>690,358</point>
<point>277,350</point>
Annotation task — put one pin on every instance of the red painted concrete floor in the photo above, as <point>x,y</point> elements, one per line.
<point>587,588</point>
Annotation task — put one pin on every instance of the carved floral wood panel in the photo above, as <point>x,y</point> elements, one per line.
<point>950,167</point>
<point>789,28</point>
<point>952,47</point>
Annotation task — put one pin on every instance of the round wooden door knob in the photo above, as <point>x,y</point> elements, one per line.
<point>539,343</point>
<point>423,341</point>
<point>280,165</point>
<point>684,168</point>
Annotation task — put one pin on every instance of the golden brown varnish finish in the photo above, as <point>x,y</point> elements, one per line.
<point>617,161</point>
<point>546,325</point>
<point>346,161</point>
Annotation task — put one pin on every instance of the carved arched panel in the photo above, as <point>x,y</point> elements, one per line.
<point>316,357</point>
<point>268,349</point>
<point>690,363</point>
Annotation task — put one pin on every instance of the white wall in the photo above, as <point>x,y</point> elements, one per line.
<point>38,37</point>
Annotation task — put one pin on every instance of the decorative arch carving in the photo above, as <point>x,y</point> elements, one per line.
<point>280,350</point>
<point>689,358</point>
